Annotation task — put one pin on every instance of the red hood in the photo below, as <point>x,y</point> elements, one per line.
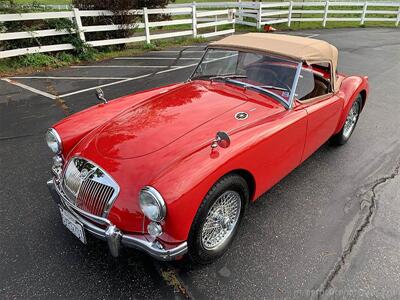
<point>162,119</point>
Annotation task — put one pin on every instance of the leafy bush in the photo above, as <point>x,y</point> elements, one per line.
<point>122,16</point>
<point>38,60</point>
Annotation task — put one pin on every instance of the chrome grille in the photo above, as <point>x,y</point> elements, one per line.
<point>89,187</point>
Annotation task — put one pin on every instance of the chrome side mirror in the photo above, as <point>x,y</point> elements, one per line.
<point>222,139</point>
<point>100,95</point>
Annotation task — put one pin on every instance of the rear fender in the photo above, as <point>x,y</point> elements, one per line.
<point>350,88</point>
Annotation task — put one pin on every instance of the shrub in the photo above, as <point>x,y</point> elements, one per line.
<point>121,16</point>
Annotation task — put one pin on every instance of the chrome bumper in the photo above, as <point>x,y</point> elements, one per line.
<point>110,233</point>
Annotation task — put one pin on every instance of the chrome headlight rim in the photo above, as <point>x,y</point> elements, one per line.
<point>54,133</point>
<point>158,200</point>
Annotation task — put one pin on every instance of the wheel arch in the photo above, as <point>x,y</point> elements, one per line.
<point>363,94</point>
<point>248,177</point>
<point>350,88</point>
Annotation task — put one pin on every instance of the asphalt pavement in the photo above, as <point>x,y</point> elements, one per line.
<point>330,229</point>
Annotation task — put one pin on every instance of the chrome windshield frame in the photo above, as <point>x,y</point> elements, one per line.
<point>294,85</point>
<point>287,104</point>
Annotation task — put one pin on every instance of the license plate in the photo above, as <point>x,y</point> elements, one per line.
<point>73,225</point>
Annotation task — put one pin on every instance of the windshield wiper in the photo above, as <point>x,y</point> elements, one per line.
<point>274,87</point>
<point>260,89</point>
<point>227,76</point>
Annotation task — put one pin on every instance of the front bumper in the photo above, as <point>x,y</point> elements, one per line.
<point>110,233</point>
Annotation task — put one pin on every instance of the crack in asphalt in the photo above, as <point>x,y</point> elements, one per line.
<point>60,102</point>
<point>172,279</point>
<point>7,138</point>
<point>356,237</point>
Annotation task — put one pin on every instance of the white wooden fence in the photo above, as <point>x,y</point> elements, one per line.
<point>199,17</point>
<point>147,32</point>
<point>259,14</point>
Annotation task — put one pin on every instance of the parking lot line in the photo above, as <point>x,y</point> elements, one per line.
<point>157,58</point>
<point>126,80</point>
<point>69,78</point>
<point>178,51</point>
<point>119,79</point>
<point>107,66</point>
<point>31,89</point>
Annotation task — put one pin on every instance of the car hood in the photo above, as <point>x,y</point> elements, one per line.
<point>159,121</point>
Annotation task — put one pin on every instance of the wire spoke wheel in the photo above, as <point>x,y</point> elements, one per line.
<point>221,220</point>
<point>351,119</point>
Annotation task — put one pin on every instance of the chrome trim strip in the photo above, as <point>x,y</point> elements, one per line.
<point>114,237</point>
<point>294,86</point>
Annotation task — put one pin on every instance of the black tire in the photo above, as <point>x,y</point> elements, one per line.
<point>197,251</point>
<point>342,136</point>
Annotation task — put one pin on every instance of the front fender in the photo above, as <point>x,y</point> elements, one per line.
<point>261,146</point>
<point>186,184</point>
<point>349,89</point>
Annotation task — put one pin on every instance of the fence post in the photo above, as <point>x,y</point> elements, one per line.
<point>325,13</point>
<point>194,19</point>
<point>365,7</point>
<point>289,22</point>
<point>146,25</point>
<point>398,17</point>
<point>259,17</point>
<point>232,17</point>
<point>240,17</point>
<point>78,22</point>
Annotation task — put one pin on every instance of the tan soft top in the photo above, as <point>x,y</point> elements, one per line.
<point>295,47</point>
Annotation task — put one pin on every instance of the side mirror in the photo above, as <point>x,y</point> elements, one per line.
<point>222,139</point>
<point>100,95</point>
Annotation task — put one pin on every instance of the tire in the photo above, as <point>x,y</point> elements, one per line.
<point>204,246</point>
<point>345,133</point>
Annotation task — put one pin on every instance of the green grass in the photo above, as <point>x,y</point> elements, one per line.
<point>43,1</point>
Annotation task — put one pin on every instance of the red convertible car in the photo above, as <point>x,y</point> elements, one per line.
<point>170,171</point>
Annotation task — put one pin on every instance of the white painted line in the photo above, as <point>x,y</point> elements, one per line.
<point>108,66</point>
<point>140,77</point>
<point>68,78</point>
<point>312,35</point>
<point>178,51</point>
<point>125,80</point>
<point>31,89</point>
<point>157,58</point>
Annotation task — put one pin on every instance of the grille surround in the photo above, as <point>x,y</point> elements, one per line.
<point>89,187</point>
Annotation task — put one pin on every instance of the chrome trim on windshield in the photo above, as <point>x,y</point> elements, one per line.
<point>294,85</point>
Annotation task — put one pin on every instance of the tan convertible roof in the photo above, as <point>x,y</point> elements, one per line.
<point>298,48</point>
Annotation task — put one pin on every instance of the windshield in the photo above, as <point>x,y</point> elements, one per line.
<point>266,73</point>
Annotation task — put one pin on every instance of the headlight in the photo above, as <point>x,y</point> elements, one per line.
<point>53,141</point>
<point>152,204</point>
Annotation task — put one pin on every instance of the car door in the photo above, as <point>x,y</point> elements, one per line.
<point>323,107</point>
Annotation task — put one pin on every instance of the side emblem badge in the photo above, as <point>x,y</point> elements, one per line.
<point>241,116</point>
